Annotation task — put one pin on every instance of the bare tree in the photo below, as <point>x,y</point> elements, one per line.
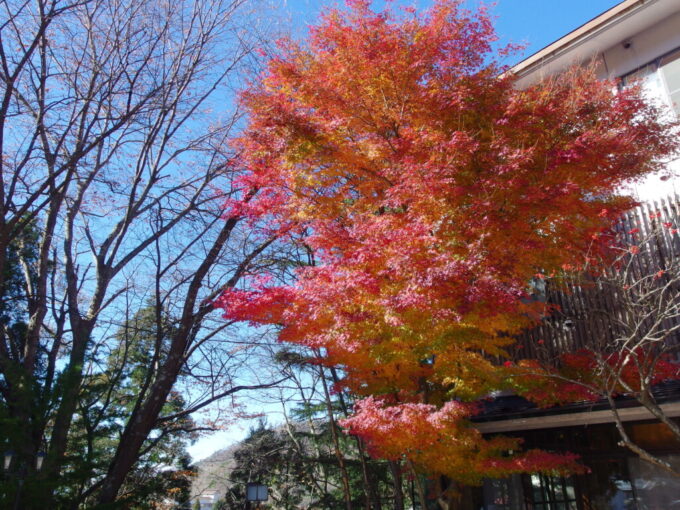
<point>113,155</point>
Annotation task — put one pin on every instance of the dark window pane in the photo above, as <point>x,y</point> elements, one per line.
<point>503,494</point>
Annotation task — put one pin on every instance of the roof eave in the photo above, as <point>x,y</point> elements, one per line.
<point>579,35</point>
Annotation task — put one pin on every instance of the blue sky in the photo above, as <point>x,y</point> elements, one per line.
<point>534,22</point>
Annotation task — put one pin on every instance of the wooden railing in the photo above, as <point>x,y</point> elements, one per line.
<point>595,311</point>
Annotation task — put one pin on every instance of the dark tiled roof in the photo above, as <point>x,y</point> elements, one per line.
<point>511,407</point>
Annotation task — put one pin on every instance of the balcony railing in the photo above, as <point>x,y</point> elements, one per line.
<point>595,312</point>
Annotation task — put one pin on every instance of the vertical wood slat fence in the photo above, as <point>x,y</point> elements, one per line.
<point>590,313</point>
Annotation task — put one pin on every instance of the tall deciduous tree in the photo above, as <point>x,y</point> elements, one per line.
<point>114,169</point>
<point>431,191</point>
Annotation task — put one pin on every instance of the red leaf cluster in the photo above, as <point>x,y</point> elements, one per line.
<point>586,376</point>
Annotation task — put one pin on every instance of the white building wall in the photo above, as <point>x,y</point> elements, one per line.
<point>622,45</point>
<point>631,55</point>
<point>633,52</point>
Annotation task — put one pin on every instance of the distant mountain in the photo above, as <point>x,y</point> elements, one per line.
<point>213,473</point>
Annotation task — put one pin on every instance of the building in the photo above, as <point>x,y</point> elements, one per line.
<point>636,39</point>
<point>207,499</point>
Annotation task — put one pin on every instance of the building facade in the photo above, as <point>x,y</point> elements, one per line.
<point>635,40</point>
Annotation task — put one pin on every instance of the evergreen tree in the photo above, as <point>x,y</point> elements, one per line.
<point>163,470</point>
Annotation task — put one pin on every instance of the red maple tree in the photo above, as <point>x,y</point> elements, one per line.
<point>430,191</point>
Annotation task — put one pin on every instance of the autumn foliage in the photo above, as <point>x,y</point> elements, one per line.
<point>430,191</point>
<point>440,440</point>
<point>585,375</point>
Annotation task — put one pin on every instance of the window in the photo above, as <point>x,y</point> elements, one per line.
<point>540,492</point>
<point>550,493</point>
<point>670,72</point>
<point>660,79</point>
<point>654,487</point>
<point>608,485</point>
<point>503,494</point>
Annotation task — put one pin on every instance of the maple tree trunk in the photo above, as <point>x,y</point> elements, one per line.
<point>346,491</point>
<point>372,498</point>
<point>397,490</point>
<point>418,485</point>
<point>448,497</point>
<point>457,497</point>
